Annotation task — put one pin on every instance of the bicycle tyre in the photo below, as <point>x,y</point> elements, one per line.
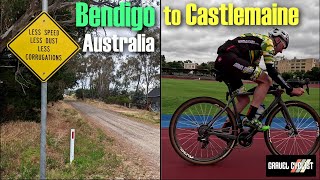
<point>291,104</point>
<point>173,128</point>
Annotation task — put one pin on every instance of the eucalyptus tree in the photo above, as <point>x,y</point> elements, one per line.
<point>20,89</point>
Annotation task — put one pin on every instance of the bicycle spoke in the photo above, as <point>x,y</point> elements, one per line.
<point>186,141</point>
<point>217,144</point>
<point>213,113</point>
<point>281,140</point>
<point>210,142</point>
<point>187,130</point>
<point>198,144</point>
<point>306,126</point>
<point>305,135</point>
<point>279,134</point>
<point>286,144</point>
<point>202,114</point>
<point>300,147</point>
<point>303,122</point>
<point>199,114</point>
<point>308,130</point>
<point>190,135</point>
<point>208,115</point>
<point>191,122</point>
<point>192,119</point>
<point>292,147</point>
<point>304,144</point>
<point>306,139</point>
<point>192,145</point>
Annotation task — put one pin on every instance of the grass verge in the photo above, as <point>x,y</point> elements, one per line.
<point>95,157</point>
<point>176,91</point>
<point>137,114</point>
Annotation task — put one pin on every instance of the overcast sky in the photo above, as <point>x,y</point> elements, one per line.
<point>200,44</point>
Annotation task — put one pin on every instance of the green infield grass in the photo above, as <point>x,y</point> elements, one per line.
<point>176,91</point>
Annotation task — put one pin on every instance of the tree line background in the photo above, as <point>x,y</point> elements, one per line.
<point>110,77</point>
<point>205,68</point>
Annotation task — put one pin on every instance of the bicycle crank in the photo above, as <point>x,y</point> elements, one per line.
<point>245,139</point>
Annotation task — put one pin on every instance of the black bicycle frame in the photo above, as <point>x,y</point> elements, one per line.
<point>277,100</point>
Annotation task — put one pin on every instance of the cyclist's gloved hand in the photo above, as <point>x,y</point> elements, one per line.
<point>296,92</point>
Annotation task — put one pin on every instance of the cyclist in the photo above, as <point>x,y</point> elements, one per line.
<point>239,59</point>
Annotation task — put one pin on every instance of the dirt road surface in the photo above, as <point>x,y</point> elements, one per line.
<point>140,138</point>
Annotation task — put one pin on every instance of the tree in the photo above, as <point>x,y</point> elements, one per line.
<point>314,74</point>
<point>150,62</point>
<point>287,75</point>
<point>210,65</point>
<point>129,74</point>
<point>298,74</point>
<point>163,62</point>
<point>20,89</point>
<point>16,14</point>
<point>203,66</point>
<point>176,64</point>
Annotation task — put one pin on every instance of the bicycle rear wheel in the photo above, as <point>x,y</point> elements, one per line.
<point>187,128</point>
<point>281,140</point>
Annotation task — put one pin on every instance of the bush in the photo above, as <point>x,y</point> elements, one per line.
<point>119,99</point>
<point>80,93</point>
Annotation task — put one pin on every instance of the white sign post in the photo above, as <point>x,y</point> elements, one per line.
<point>72,138</point>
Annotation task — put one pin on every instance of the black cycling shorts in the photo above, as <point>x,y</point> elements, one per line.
<point>235,69</point>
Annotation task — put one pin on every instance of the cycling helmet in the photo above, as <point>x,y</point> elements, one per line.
<point>281,33</point>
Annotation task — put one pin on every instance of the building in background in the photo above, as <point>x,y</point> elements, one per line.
<point>154,100</point>
<point>190,65</point>
<point>295,65</point>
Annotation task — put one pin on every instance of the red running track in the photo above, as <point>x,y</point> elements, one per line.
<point>248,163</point>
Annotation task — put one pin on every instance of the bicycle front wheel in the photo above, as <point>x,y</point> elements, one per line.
<point>281,139</point>
<point>188,135</point>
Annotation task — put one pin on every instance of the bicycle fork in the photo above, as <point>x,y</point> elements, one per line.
<point>288,119</point>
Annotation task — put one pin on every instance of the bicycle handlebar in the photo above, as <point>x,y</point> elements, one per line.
<point>296,83</point>
<point>293,83</point>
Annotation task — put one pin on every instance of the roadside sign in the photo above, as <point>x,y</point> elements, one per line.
<point>43,46</point>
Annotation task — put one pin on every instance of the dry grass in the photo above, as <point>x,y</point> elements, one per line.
<point>137,114</point>
<point>95,153</point>
<point>15,136</point>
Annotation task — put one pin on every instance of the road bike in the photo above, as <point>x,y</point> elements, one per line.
<point>197,134</point>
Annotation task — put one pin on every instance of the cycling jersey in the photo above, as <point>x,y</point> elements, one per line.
<point>250,47</point>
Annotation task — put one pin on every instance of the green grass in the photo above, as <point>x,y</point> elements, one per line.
<point>176,91</point>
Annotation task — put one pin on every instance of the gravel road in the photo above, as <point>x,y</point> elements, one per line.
<point>145,139</point>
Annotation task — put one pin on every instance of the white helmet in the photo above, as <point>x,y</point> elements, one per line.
<point>281,33</point>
